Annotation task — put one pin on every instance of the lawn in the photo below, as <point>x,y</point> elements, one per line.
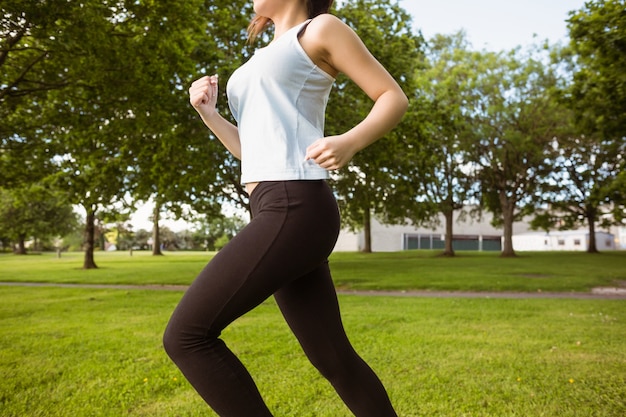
<point>424,270</point>
<point>97,352</point>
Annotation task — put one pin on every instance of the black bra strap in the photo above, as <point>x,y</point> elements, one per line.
<point>303,28</point>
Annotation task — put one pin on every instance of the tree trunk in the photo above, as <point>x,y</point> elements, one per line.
<point>508,208</point>
<point>367,231</point>
<point>448,250</point>
<point>156,237</point>
<point>592,248</point>
<point>21,245</point>
<point>90,231</point>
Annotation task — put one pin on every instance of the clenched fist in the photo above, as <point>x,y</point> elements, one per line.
<point>331,152</point>
<point>203,94</point>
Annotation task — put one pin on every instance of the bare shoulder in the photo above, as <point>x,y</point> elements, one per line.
<point>327,26</point>
<point>327,19</point>
<point>327,39</point>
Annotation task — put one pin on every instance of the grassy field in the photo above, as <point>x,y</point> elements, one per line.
<point>97,352</point>
<point>470,271</point>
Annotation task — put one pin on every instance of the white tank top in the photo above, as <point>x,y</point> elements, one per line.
<point>278,99</point>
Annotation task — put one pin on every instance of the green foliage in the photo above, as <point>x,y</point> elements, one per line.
<point>447,95</point>
<point>617,195</point>
<point>591,155</point>
<point>598,38</point>
<point>518,120</point>
<point>180,161</point>
<point>93,99</point>
<point>34,212</point>
<point>374,180</point>
<point>488,126</point>
<point>97,89</point>
<point>212,233</point>
<point>32,62</point>
<point>585,186</point>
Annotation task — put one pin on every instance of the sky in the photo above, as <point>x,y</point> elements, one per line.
<point>489,24</point>
<point>494,24</point>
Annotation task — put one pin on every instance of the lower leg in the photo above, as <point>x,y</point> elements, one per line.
<point>225,290</point>
<point>205,360</point>
<point>216,374</point>
<point>310,307</point>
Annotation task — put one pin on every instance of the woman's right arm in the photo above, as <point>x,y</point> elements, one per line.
<point>203,97</point>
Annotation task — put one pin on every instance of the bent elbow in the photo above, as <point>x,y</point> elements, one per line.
<point>404,102</point>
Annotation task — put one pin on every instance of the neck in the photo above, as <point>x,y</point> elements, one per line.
<point>287,20</point>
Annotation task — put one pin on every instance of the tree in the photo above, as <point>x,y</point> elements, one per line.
<point>375,179</point>
<point>617,196</point>
<point>210,229</point>
<point>34,212</point>
<point>586,186</point>
<point>178,162</point>
<point>592,156</point>
<point>598,94</point>
<point>141,239</point>
<point>121,66</point>
<point>28,40</point>
<point>446,87</point>
<point>518,120</point>
<point>32,63</point>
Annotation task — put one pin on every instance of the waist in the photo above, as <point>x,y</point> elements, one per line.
<point>251,186</point>
<point>256,174</point>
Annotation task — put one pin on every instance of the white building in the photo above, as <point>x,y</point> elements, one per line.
<point>620,232</point>
<point>568,240</point>
<point>468,234</point>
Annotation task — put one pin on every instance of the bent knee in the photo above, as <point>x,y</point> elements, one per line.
<point>179,341</point>
<point>172,342</point>
<point>333,365</point>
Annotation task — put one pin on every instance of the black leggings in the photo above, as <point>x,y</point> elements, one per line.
<point>283,251</point>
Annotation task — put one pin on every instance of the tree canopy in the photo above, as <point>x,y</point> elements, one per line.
<point>93,102</point>
<point>373,181</point>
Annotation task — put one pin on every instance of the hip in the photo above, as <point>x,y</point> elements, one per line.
<point>311,203</point>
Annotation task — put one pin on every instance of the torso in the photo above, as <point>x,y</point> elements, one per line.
<point>250,187</point>
<point>311,43</point>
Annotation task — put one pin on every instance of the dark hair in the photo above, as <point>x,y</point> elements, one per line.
<point>260,23</point>
<point>318,7</point>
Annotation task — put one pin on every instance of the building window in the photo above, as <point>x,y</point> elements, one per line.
<point>576,242</point>
<point>561,242</point>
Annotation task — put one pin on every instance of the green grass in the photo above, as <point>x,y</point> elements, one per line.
<point>470,271</point>
<point>82,352</point>
<point>97,352</point>
<point>476,271</point>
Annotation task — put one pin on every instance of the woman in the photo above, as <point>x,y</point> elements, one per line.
<point>278,99</point>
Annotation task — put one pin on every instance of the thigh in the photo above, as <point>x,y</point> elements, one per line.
<point>231,283</point>
<point>311,309</point>
<point>292,232</point>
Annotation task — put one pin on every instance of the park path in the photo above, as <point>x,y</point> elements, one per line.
<point>608,293</point>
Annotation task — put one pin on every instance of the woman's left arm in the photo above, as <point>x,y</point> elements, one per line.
<point>335,47</point>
